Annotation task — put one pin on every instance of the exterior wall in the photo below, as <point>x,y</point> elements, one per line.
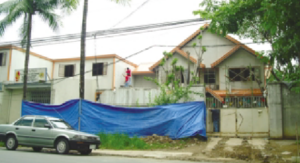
<point>140,82</point>
<point>214,52</point>
<point>284,111</point>
<point>10,107</point>
<point>167,66</point>
<point>17,62</point>
<point>240,59</point>
<point>275,105</point>
<point>105,81</point>
<point>3,69</point>
<point>252,122</point>
<point>68,89</point>
<point>138,96</point>
<point>120,70</point>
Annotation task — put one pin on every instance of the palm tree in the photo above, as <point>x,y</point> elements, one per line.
<point>82,45</point>
<point>28,8</point>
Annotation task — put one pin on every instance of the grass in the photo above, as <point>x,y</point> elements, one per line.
<point>1,144</point>
<point>123,142</point>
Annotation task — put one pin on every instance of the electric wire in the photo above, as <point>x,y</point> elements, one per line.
<point>106,32</point>
<point>143,4</point>
<point>148,48</point>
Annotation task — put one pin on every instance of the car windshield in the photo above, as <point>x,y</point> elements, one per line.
<point>61,124</point>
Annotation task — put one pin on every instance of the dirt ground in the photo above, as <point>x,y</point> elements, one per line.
<point>273,152</point>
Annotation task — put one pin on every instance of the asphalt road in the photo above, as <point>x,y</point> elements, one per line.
<point>28,156</point>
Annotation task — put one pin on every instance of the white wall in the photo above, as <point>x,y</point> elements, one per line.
<point>214,52</point>
<point>68,89</point>
<point>17,62</point>
<point>120,70</point>
<point>105,81</point>
<point>141,82</point>
<point>3,69</point>
<point>240,59</point>
<point>250,122</point>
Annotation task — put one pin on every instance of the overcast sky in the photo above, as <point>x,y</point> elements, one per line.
<point>103,14</point>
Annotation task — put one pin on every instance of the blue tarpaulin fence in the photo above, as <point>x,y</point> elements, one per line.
<point>175,120</point>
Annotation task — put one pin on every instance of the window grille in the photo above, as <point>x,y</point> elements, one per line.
<point>39,96</point>
<point>209,76</point>
<point>242,74</point>
<point>66,70</point>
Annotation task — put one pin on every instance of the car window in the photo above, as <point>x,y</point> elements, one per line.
<point>26,121</point>
<point>18,122</point>
<point>61,124</point>
<point>40,122</point>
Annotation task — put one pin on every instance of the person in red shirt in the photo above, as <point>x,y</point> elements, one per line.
<point>126,80</point>
<point>128,72</point>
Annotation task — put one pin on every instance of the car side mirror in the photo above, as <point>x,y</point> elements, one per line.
<point>47,126</point>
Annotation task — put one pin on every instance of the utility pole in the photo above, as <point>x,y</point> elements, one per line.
<point>82,52</point>
<point>189,68</point>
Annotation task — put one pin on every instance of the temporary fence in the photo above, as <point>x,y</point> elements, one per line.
<point>175,120</point>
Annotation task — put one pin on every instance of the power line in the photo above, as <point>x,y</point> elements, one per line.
<point>131,13</point>
<point>145,49</point>
<point>106,32</point>
<point>110,36</point>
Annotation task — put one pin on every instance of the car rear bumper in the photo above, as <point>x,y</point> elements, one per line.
<point>82,145</point>
<point>2,137</point>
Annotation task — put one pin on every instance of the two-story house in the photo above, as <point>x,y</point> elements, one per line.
<point>229,70</point>
<point>54,81</point>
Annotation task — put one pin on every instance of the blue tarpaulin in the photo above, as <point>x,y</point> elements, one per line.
<point>176,120</point>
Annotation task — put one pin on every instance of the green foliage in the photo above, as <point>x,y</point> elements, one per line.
<point>199,37</point>
<point>121,141</point>
<point>172,91</point>
<point>275,22</point>
<point>204,49</point>
<point>2,144</point>
<point>45,9</point>
<point>194,44</point>
<point>124,142</point>
<point>290,75</point>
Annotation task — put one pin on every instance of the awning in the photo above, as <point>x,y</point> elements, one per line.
<point>29,85</point>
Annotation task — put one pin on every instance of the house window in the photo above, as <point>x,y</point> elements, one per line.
<point>209,76</point>
<point>242,74</point>
<point>66,70</point>
<point>2,59</point>
<point>39,96</point>
<point>100,68</point>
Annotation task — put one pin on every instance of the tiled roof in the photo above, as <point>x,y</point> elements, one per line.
<point>225,56</point>
<point>212,92</point>
<point>141,72</point>
<point>218,61</point>
<point>182,53</point>
<point>239,92</point>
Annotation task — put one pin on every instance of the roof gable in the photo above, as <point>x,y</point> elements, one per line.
<point>218,60</point>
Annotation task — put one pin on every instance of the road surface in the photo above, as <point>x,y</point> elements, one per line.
<point>28,156</point>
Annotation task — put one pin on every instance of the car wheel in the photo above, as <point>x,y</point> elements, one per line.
<point>37,149</point>
<point>62,146</point>
<point>85,152</point>
<point>11,143</point>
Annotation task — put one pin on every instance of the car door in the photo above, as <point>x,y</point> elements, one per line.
<point>43,135</point>
<point>23,129</point>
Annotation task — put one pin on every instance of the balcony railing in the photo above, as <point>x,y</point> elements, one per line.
<point>236,102</point>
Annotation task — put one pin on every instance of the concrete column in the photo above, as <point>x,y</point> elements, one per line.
<point>275,110</point>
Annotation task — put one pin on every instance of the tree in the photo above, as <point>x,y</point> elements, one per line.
<point>28,8</point>
<point>172,91</point>
<point>82,45</point>
<point>272,21</point>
